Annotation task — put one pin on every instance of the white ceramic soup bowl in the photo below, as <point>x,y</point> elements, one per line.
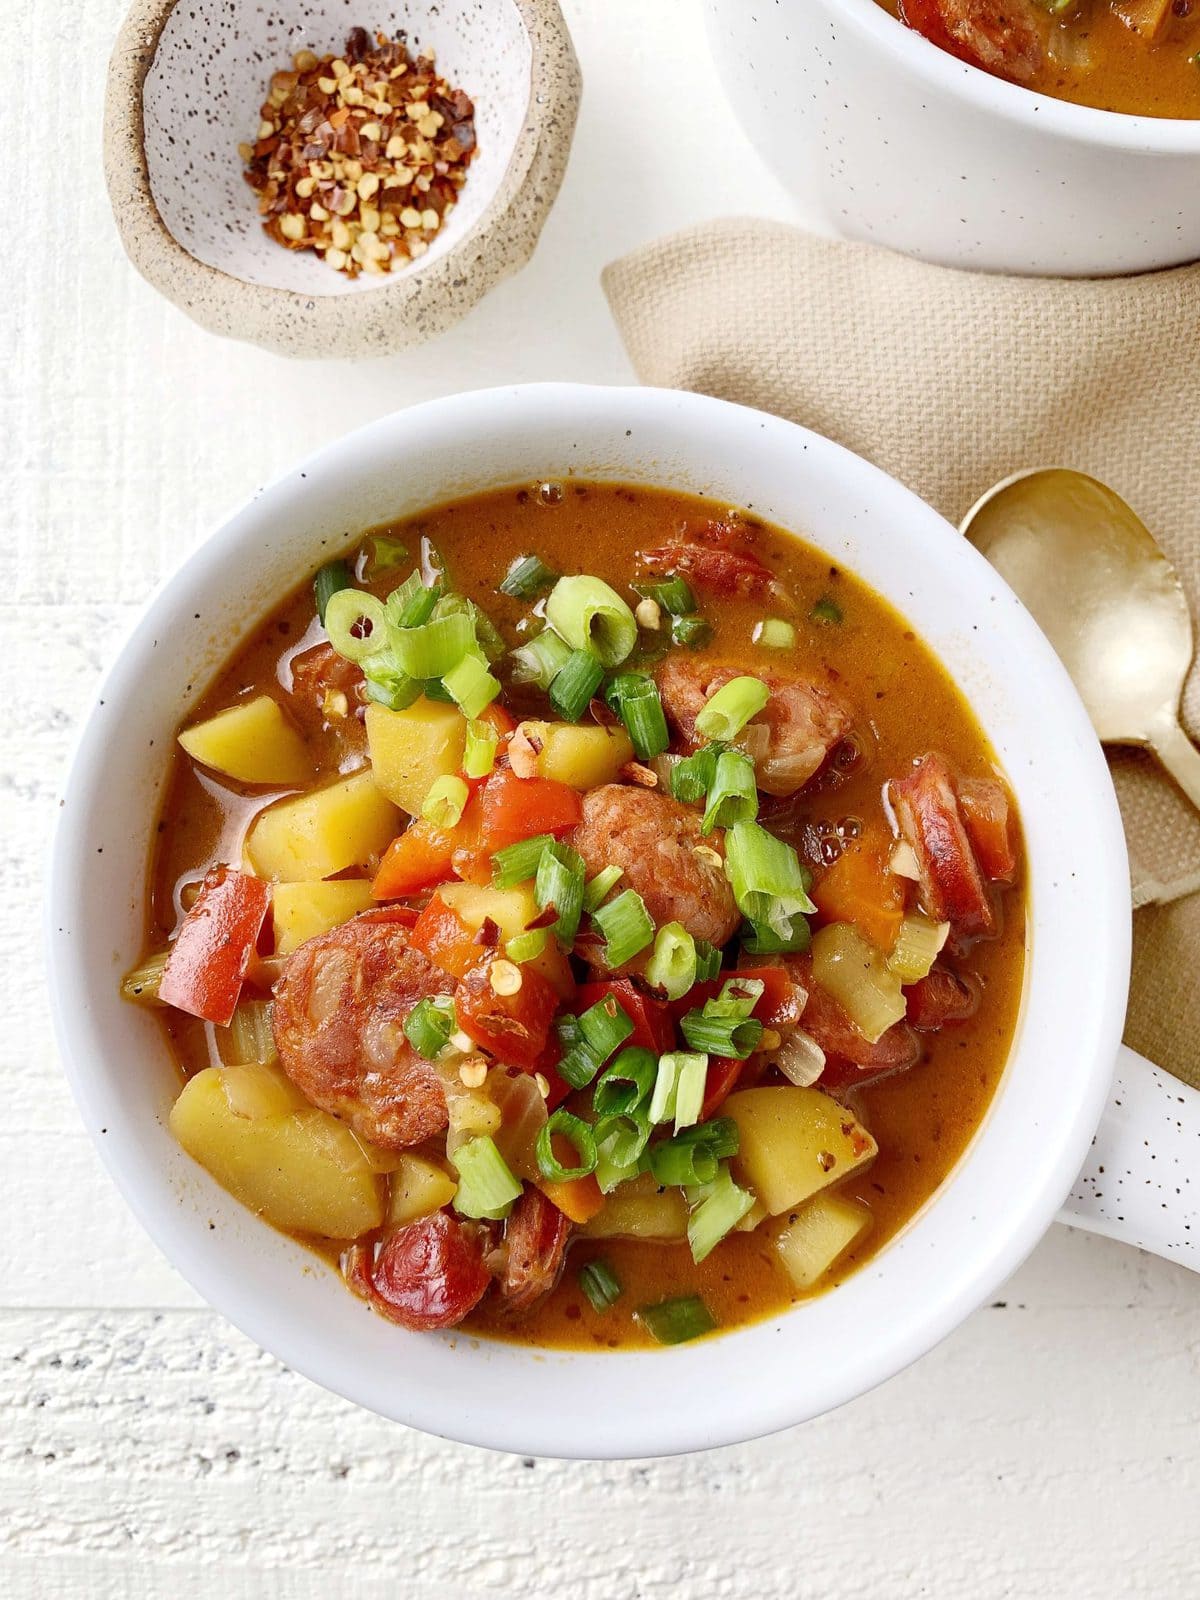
<point>905,145</point>
<point>1020,1165</point>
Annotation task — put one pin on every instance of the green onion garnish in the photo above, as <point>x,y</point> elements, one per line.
<point>435,689</point>
<point>517,863</point>
<point>626,926</point>
<point>826,610</point>
<point>355,623</point>
<point>728,711</point>
<point>634,698</point>
<point>332,578</point>
<point>672,594</point>
<point>479,753</point>
<point>769,884</point>
<point>721,1036</point>
<point>486,1186</point>
<point>692,777</point>
<point>689,1089</point>
<point>538,661</point>
<point>677,1320</point>
<point>693,632</point>
<point>487,635</point>
<point>720,1211</point>
<point>471,685</point>
<point>760,940</point>
<point>446,800</point>
<point>527,946</point>
<point>590,615</point>
<point>673,1067</point>
<point>384,554</point>
<point>564,1125</point>
<point>693,1155</point>
<point>528,576</point>
<point>733,796</point>
<point>559,883</point>
<point>620,1142</point>
<point>605,1026</point>
<point>597,888</point>
<point>600,1284</point>
<point>575,683</point>
<point>433,648</point>
<point>708,961</point>
<point>428,1026</point>
<point>387,685</point>
<point>774,634</point>
<point>672,967</point>
<point>411,603</point>
<point>737,999</point>
<point>626,1083</point>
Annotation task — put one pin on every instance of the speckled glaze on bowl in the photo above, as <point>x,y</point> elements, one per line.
<point>184,86</point>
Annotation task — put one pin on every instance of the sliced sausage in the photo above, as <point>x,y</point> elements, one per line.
<point>850,1057</point>
<point>428,1275</point>
<point>991,826</point>
<point>803,721</point>
<point>325,697</point>
<point>535,1238</point>
<point>1001,36</point>
<point>338,1020</point>
<point>715,556</point>
<point>930,820</point>
<point>943,996</point>
<point>659,848</point>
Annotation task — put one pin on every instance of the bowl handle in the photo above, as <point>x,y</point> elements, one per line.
<point>1141,1181</point>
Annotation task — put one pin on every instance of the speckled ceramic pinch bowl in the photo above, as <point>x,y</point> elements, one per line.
<point>184,89</point>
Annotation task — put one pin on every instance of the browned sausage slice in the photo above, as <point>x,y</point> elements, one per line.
<point>930,820</point>
<point>1001,36</point>
<point>428,1275</point>
<point>535,1238</point>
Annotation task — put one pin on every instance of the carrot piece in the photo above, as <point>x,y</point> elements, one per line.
<point>579,1198</point>
<point>858,888</point>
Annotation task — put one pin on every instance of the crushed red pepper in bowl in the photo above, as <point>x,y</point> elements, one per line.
<point>360,157</point>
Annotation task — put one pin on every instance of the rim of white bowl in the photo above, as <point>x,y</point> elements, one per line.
<point>1083,1055</point>
<point>1087,124</point>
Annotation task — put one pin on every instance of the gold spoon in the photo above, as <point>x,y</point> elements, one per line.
<point>1105,596</point>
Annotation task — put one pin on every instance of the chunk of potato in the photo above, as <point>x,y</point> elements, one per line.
<point>253,742</point>
<point>419,1187</point>
<point>303,910</point>
<point>639,1209</point>
<point>583,756</point>
<point>410,748</point>
<point>254,1089</point>
<point>793,1143</point>
<point>812,1239</point>
<point>300,1169</point>
<point>344,824</point>
<point>512,910</point>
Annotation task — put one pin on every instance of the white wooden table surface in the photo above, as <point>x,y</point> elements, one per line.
<point>1048,1449</point>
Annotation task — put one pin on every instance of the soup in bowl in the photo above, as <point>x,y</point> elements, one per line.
<point>607,899</point>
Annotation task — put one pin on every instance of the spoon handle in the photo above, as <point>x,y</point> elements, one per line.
<point>1180,757</point>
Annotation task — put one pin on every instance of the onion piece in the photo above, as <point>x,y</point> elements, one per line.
<point>903,862</point>
<point>522,1117</point>
<point>800,1058</point>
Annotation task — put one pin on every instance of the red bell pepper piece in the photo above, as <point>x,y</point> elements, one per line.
<point>723,1074</point>
<point>513,1027</point>
<point>442,935</point>
<point>214,946</point>
<point>653,1025</point>
<point>780,1002</point>
<point>424,855</point>
<point>547,1065</point>
<point>519,808</point>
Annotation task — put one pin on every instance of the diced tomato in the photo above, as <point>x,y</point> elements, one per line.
<point>858,888</point>
<point>653,1025</point>
<point>513,1027</point>
<point>579,1198</point>
<point>497,717</point>
<point>547,1065</point>
<point>990,826</point>
<point>780,1002</point>
<point>215,944</point>
<point>442,935</point>
<point>424,855</point>
<point>519,808</point>
<point>723,1074</point>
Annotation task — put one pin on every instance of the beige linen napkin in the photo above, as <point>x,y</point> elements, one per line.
<point>951,380</point>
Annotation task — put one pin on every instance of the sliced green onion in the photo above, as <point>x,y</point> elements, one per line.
<point>428,1026</point>
<point>826,610</point>
<point>626,926</point>
<point>605,1026</point>
<point>673,1067</point>
<point>384,553</point>
<point>677,1320</point>
<point>387,685</point>
<point>590,615</point>
<point>689,1089</point>
<point>355,623</point>
<point>471,685</point>
<point>479,754</point>
<point>733,796</point>
<point>333,577</point>
<point>540,660</point>
<point>728,711</point>
<point>694,1154</point>
<point>774,634</point>
<point>737,999</point>
<point>564,1125</point>
<point>517,863</point>
<point>626,1083</point>
<point>620,1142</point>
<point>672,967</point>
<point>769,884</point>
<point>672,594</point>
<point>487,636</point>
<point>435,689</point>
<point>446,801</point>
<point>527,946</point>
<point>600,1284</point>
<point>693,632</point>
<point>559,883</point>
<point>433,648</point>
<point>486,1186</point>
<point>760,940</point>
<point>722,1036</point>
<point>596,888</point>
<point>574,684</point>
<point>708,961</point>
<point>722,1208</point>
<point>634,697</point>
<point>528,576</point>
<point>692,777</point>
<point>411,603</point>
